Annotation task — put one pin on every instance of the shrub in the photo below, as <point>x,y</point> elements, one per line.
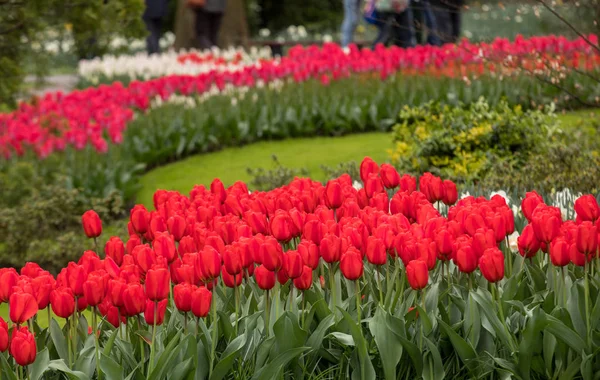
<point>463,142</point>
<point>265,179</point>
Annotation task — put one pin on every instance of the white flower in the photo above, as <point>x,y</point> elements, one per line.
<point>465,195</point>
<point>327,38</point>
<point>302,32</point>
<point>357,185</point>
<point>264,32</point>
<point>512,241</point>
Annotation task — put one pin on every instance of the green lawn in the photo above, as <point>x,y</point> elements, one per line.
<point>230,164</point>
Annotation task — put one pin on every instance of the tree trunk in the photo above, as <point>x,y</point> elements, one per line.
<point>234,29</point>
<point>185,33</point>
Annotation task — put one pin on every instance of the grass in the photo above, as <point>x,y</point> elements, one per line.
<point>230,164</point>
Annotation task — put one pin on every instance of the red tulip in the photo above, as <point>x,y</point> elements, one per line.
<point>293,264</point>
<point>208,264</point>
<point>23,306</point>
<point>559,252</point>
<point>546,224</point>
<point>587,238</point>
<point>304,282</point>
<point>444,243</point>
<point>8,279</point>
<point>587,208</point>
<point>389,176</point>
<point>527,242</point>
<point>450,193</point>
<point>115,249</point>
<point>271,254</point>
<point>314,230</point>
<point>310,253</point>
<point>92,225</point>
<point>351,264</point>
<point>368,167</point>
<point>158,283</point>
<point>176,226</point>
<point>76,276</point>
<point>62,302</point>
<point>529,203</point>
<point>201,301</point>
<point>333,194</point>
<point>376,252</point>
<point>281,226</point>
<point>22,346</point>
<point>3,335</point>
<point>373,185</point>
<point>164,245</point>
<point>408,183</point>
<point>331,248</point>
<point>42,288</point>
<point>149,315</point>
<point>265,279</point>
<point>182,295</point>
<point>94,288</point>
<point>483,239</point>
<point>134,299</point>
<point>140,219</point>
<point>466,259</point>
<point>232,260</point>
<point>115,291</point>
<point>231,281</point>
<point>31,270</point>
<point>417,274</point>
<point>491,265</point>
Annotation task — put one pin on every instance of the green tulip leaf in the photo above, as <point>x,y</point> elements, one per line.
<point>37,368</point>
<point>315,340</point>
<point>60,366</point>
<point>389,346</point>
<point>58,338</point>
<point>271,370</point>
<point>228,357</point>
<point>366,366</point>
<point>110,368</point>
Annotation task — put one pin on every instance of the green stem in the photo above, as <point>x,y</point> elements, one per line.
<point>94,322</point>
<point>381,300</point>
<point>332,285</point>
<point>267,313</point>
<point>142,346</point>
<point>587,303</point>
<point>237,303</point>
<point>399,292</point>
<point>120,327</point>
<point>423,294</point>
<point>564,285</point>
<point>152,349</point>
<point>470,281</point>
<point>214,331</point>
<point>303,311</point>
<point>185,323</point>
<point>357,286</point>
<point>75,320</point>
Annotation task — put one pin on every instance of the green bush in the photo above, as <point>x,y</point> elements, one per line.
<point>463,142</point>
<point>269,179</point>
<point>498,147</point>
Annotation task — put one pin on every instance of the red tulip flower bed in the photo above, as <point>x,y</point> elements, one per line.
<point>99,116</point>
<point>377,282</point>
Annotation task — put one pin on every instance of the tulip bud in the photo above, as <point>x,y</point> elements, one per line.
<point>92,225</point>
<point>389,176</point>
<point>3,335</point>
<point>528,244</point>
<point>182,296</point>
<point>134,299</point>
<point>304,282</point>
<point>62,302</point>
<point>417,274</point>
<point>158,284</point>
<point>587,208</point>
<point>201,301</point>
<point>376,252</point>
<point>491,265</point>
<point>309,252</point>
<point>23,306</point>
<point>559,252</point>
<point>351,264</point>
<point>22,347</point>
<point>265,279</point>
<point>160,307</point>
<point>115,249</point>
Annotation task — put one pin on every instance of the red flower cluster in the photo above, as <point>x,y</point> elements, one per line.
<point>566,241</point>
<point>99,116</point>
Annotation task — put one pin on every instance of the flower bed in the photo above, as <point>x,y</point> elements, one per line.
<point>307,279</point>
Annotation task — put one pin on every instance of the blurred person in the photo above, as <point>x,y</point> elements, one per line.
<point>208,22</point>
<point>154,13</point>
<point>424,15</point>
<point>454,10</point>
<point>396,23</point>
<point>351,13</point>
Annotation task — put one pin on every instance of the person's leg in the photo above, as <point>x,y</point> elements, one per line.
<point>404,32</point>
<point>430,21</point>
<point>455,20</point>
<point>215,26</point>
<point>153,28</point>
<point>202,29</point>
<point>384,28</point>
<point>351,11</point>
<point>416,7</point>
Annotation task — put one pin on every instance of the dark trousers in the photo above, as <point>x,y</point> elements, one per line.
<point>154,28</point>
<point>423,16</point>
<point>207,28</point>
<point>455,21</point>
<point>396,28</point>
